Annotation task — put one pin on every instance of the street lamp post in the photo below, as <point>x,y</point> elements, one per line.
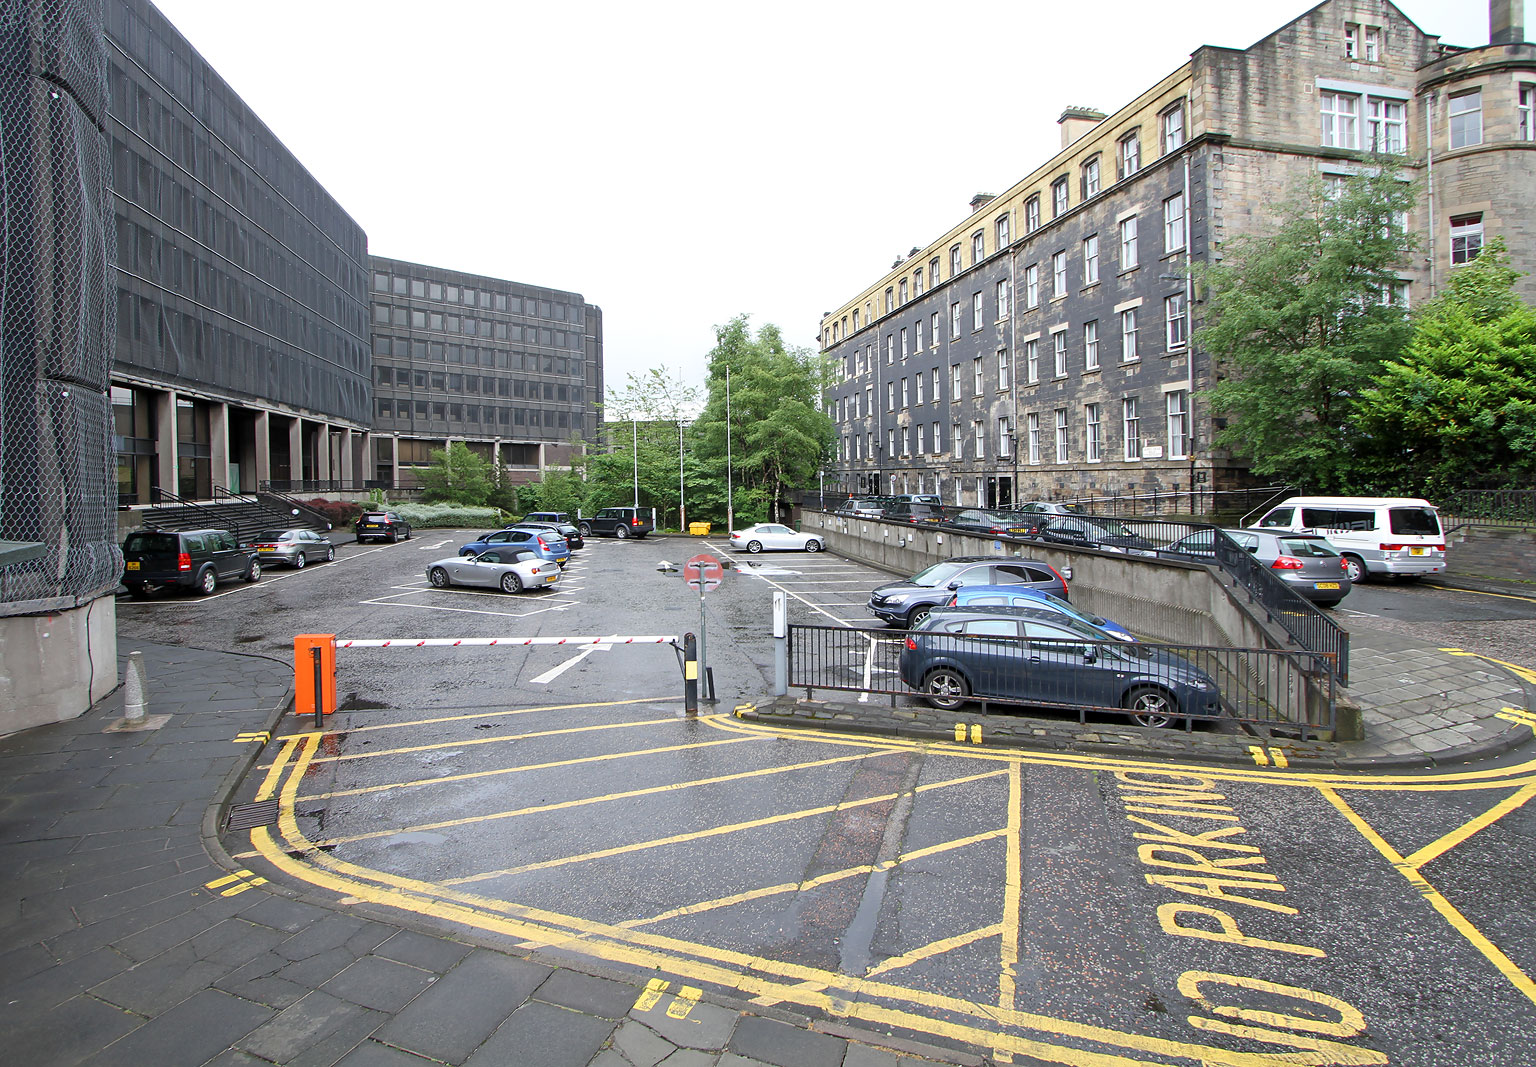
<point>730,511</point>
<point>634,428</point>
<point>682,516</point>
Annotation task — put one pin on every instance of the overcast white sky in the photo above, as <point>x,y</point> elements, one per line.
<point>679,163</point>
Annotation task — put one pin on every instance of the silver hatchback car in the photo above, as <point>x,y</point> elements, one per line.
<point>1305,562</point>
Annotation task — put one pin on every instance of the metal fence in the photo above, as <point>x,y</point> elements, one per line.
<point>1490,507</point>
<point>57,308</point>
<point>1284,690</point>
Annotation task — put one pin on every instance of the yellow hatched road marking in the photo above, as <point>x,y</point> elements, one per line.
<point>651,994</point>
<point>935,948</point>
<point>1438,848</point>
<point>1259,755</point>
<point>472,742</point>
<point>480,715</point>
<point>1526,673</point>
<point>684,1002</point>
<point>1013,891</point>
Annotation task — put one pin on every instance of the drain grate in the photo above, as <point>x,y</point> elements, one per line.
<point>246,816</point>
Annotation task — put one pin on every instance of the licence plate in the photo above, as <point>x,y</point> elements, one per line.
<point>265,548</point>
<point>553,579</point>
<point>1327,585</point>
<point>1416,551</point>
<point>132,564</point>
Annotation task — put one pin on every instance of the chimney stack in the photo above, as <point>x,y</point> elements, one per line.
<point>1506,21</point>
<point>981,199</point>
<point>1077,121</point>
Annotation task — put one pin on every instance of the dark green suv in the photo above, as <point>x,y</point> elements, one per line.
<point>186,559</point>
<point>618,522</point>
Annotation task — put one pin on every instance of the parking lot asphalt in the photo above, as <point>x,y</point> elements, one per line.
<point>132,935</point>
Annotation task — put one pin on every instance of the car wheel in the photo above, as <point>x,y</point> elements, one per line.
<point>813,545</point>
<point>754,547</point>
<point>330,554</point>
<point>407,533</point>
<point>621,531</point>
<point>253,572</point>
<point>299,560</point>
<point>394,536</point>
<point>207,581</point>
<point>1150,706</point>
<point>586,530</point>
<point>511,583</point>
<point>438,577</point>
<point>945,688</point>
<point>138,590</point>
<point>1354,566</point>
<point>917,615</point>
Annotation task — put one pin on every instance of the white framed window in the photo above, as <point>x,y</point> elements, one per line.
<point>1341,119</point>
<point>976,376</point>
<point>1004,438</point>
<point>1059,352</point>
<point>1372,47</point>
<point>1394,294</point>
<point>890,396</point>
<point>978,247</point>
<point>1061,435</point>
<point>1000,228</point>
<point>1032,437</point>
<point>1386,126</point>
<point>1466,238</point>
<point>1171,123</point>
<point>902,291</point>
<point>890,442</point>
<point>933,329</point>
<point>1004,299</point>
<point>1128,155</point>
<point>869,400</point>
<point>1128,351</point>
<point>979,439</point>
<point>1173,315</point>
<point>1467,119</point>
<point>954,320</point>
<point>935,379</point>
<point>890,300</point>
<point>1032,286</point>
<point>976,311</point>
<point>1173,223</point>
<point>954,383</point>
<point>1032,361</point>
<point>1090,259</point>
<point>855,320</point>
<point>1059,196</point>
<point>1058,274</point>
<point>905,440</point>
<point>954,260</point>
<point>1351,40</point>
<point>1091,177</point>
<point>869,444</point>
<point>1093,428</point>
<point>904,396</point>
<point>1002,368</point>
<point>917,336</point>
<point>933,270</point>
<point>918,389</point>
<point>1178,423</point>
<point>922,432</point>
<point>1131,415</point>
<point>1032,214</point>
<point>917,282</point>
<point>1128,243</point>
<point>890,349</point>
<point>1526,106</point>
<point>1091,345</point>
<point>903,342</point>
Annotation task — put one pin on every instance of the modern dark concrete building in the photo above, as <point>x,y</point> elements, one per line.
<point>514,371</point>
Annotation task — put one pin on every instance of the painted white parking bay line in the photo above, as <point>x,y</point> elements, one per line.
<point>555,672</point>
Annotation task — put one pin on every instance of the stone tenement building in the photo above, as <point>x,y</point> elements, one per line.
<point>1041,347</point>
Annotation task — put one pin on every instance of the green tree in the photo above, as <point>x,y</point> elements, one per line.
<point>779,434</point>
<point>1299,320</point>
<point>645,424</point>
<point>1458,409</point>
<point>457,476</point>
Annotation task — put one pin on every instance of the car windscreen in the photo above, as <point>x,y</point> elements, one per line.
<point>938,574</point>
<point>272,535</point>
<point>374,516</point>
<point>1304,546</point>
<point>1414,522</point>
<point>148,542</point>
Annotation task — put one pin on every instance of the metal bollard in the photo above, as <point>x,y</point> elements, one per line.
<point>690,675</point>
<point>135,699</point>
<point>780,643</point>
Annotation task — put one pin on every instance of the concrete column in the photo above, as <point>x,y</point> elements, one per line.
<point>394,461</point>
<point>165,439</point>
<point>323,451</point>
<point>496,453</point>
<point>263,449</point>
<point>348,473</point>
<point>363,471</point>
<point>543,461</point>
<point>295,451</point>
<point>218,443</point>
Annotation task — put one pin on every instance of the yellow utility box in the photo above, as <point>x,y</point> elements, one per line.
<point>698,529</point>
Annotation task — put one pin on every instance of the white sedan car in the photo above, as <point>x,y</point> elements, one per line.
<point>509,569</point>
<point>771,535</point>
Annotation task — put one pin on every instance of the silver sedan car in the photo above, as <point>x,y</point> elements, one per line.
<point>773,535</point>
<point>509,569</point>
<point>295,547</point>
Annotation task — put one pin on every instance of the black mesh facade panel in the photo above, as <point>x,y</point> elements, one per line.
<point>239,276</point>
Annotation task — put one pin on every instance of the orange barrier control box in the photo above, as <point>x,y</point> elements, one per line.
<point>304,673</point>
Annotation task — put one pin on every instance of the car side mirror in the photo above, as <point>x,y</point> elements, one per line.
<point>954,584</point>
<point>1091,654</point>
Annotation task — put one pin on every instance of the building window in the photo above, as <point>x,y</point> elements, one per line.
<point>1128,243</point>
<point>976,376</point>
<point>1059,350</point>
<point>933,329</point>
<point>933,270</point>
<point>1128,336</point>
<point>1032,286</point>
<point>890,349</point>
<point>1032,361</point>
<point>1032,435</point>
<point>954,261</point>
<point>855,320</point>
<point>922,432</point>
<point>978,247</point>
<point>1001,229</point>
<point>890,300</point>
<point>935,378</point>
<point>1090,259</point>
<point>954,383</point>
<point>1173,309</point>
<point>1032,214</point>
<point>1059,197</point>
<point>1002,368</point>
<point>1178,424</point>
<point>917,282</point>
<point>1386,125</point>
<point>1372,44</point>
<point>918,383</point>
<point>1058,274</point>
<point>890,396</point>
<point>1091,345</point>
<point>917,336</point>
<point>1527,109</point>
<point>978,439</point>
<point>1341,119</point>
<point>904,342</point>
<point>1091,177</point>
<point>904,440</point>
<point>1171,122</point>
<point>1466,238</point>
<point>1351,40</point>
<point>954,320</point>
<point>1004,300</point>
<point>1173,223</point>
<point>1467,119</point>
<point>890,443</point>
<point>976,311</point>
<point>1128,157</point>
<point>1061,435</point>
<point>1004,439</point>
<point>1132,417</point>
<point>1093,442</point>
<point>902,295</point>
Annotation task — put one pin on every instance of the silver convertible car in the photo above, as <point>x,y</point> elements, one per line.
<point>509,569</point>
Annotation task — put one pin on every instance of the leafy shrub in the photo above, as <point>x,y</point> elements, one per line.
<point>340,513</point>
<point>448,515</point>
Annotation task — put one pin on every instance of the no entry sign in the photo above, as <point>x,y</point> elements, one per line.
<point>703,572</point>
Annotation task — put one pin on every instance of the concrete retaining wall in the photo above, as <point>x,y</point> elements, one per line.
<point>1497,552</point>
<point>54,667</point>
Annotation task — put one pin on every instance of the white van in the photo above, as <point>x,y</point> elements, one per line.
<point>1375,534</point>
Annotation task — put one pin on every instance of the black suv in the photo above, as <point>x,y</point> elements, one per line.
<point>617,522</point>
<point>381,526</point>
<point>906,603</point>
<point>189,559</point>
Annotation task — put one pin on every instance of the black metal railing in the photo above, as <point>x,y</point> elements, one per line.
<point>1298,616</point>
<point>1490,507</point>
<point>1153,684</point>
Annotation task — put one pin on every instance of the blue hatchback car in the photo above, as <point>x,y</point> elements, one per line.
<point>545,543</point>
<point>1023,596</point>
